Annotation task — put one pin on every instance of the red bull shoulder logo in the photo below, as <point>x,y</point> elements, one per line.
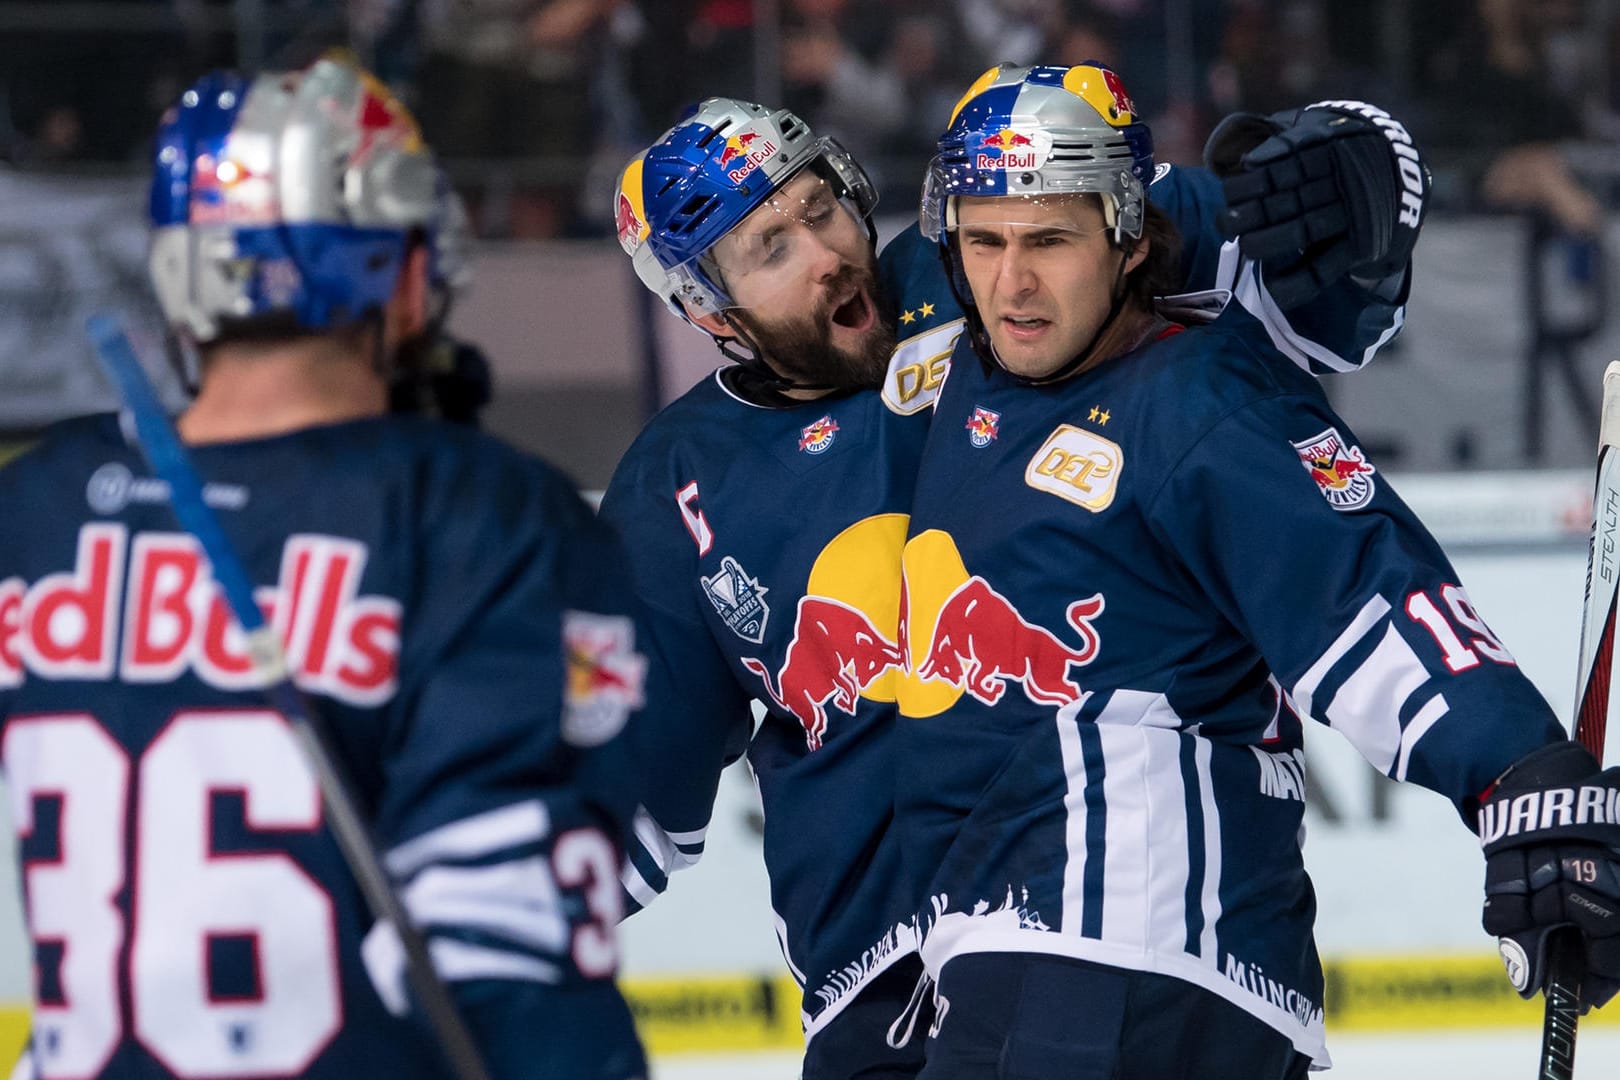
<point>743,153</point>
<point>982,426</point>
<point>817,437</point>
<point>1342,473</point>
<point>605,676</point>
<point>1011,149</point>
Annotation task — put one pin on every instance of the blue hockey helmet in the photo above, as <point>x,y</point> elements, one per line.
<point>702,177</point>
<point>1032,131</point>
<point>291,192</point>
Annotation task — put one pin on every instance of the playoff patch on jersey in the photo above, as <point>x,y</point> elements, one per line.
<point>739,599</point>
<point>1341,471</point>
<point>604,678</point>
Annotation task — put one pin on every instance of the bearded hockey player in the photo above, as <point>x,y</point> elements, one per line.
<point>447,602</point>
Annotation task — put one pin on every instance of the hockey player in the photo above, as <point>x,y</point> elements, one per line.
<point>1138,556</point>
<point>445,600</point>
<point>769,509</point>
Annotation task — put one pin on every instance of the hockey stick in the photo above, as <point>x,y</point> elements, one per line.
<point>169,460</point>
<point>1592,678</point>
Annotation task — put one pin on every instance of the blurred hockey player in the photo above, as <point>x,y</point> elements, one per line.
<point>449,603</point>
<point>1139,555</point>
<point>769,508</point>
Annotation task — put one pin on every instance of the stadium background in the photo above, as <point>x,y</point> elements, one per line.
<point>1483,413</point>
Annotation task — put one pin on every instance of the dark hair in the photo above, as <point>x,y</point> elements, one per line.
<point>1160,273</point>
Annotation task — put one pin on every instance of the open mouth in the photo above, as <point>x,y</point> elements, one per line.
<point>1022,325</point>
<point>858,313</point>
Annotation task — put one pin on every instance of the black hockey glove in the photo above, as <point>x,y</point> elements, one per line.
<point>1551,831</point>
<point>1316,193</point>
<point>442,377</point>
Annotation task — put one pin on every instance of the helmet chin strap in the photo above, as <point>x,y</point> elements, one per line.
<point>754,377</point>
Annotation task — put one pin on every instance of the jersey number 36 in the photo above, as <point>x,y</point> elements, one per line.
<point>185,899</point>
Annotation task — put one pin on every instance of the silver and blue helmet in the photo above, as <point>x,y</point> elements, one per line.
<point>702,177</point>
<point>292,192</point>
<point>1035,131</point>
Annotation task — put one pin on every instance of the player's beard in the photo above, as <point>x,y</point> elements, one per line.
<point>800,348</point>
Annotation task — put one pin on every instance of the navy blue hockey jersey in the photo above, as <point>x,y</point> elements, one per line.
<point>767,544</point>
<point>448,604</point>
<point>1122,593</point>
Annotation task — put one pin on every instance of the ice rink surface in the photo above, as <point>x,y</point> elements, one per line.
<point>1464,1055</point>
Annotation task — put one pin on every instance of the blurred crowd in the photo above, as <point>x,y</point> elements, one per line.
<point>535,104</point>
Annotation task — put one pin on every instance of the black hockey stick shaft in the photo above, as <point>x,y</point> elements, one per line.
<point>1565,963</point>
<point>168,459</point>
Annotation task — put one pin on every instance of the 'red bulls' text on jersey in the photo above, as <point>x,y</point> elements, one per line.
<point>146,609</point>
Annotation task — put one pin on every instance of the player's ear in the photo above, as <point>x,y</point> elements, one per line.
<point>1138,249</point>
<point>714,322</point>
<point>408,306</point>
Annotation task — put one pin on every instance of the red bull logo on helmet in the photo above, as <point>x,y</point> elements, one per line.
<point>628,225</point>
<point>1010,149</point>
<point>1341,471</point>
<point>743,153</point>
<point>1102,90</point>
<point>228,189</point>
<point>383,120</point>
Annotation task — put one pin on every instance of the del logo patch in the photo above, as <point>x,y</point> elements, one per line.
<point>1342,472</point>
<point>604,677</point>
<point>739,599</point>
<point>1078,465</point>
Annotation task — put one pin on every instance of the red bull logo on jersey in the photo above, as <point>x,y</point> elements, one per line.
<point>836,652</point>
<point>148,610</point>
<point>1342,473</point>
<point>982,644</point>
<point>817,437</point>
<point>1011,148</point>
<point>982,426</point>
<point>743,153</point>
<point>605,676</point>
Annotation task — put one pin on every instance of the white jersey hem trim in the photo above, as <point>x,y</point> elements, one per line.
<point>956,935</point>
